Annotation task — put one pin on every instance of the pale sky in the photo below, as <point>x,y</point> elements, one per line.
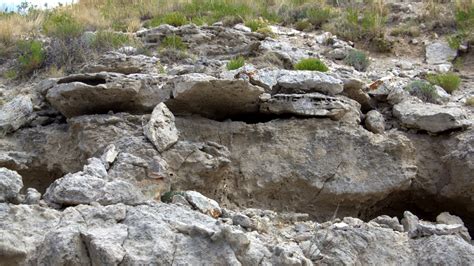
<point>12,4</point>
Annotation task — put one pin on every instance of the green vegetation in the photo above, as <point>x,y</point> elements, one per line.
<point>167,197</point>
<point>406,30</point>
<point>105,40</point>
<point>31,56</point>
<point>173,42</point>
<point>62,26</point>
<point>256,24</point>
<point>312,64</point>
<point>267,32</point>
<point>423,90</point>
<point>448,81</point>
<point>174,18</point>
<point>236,63</point>
<point>470,101</point>
<point>358,59</point>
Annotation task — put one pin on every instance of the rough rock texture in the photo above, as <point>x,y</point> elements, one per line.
<point>10,185</point>
<point>161,130</point>
<point>312,105</point>
<point>211,97</point>
<point>83,94</point>
<point>430,117</point>
<point>439,53</point>
<point>375,122</point>
<point>125,64</point>
<point>171,234</point>
<point>15,114</point>
<point>299,163</point>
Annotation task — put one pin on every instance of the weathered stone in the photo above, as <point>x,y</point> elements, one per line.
<point>211,97</point>
<point>390,222</point>
<point>125,64</point>
<point>447,218</point>
<point>15,114</point>
<point>10,185</point>
<point>203,204</point>
<point>98,93</point>
<point>431,117</point>
<point>32,196</point>
<point>311,105</point>
<point>410,224</point>
<point>439,53</point>
<point>242,220</point>
<point>375,122</point>
<point>161,130</point>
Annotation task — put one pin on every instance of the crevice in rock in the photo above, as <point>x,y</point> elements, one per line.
<point>39,177</point>
<point>423,205</point>
<point>92,81</point>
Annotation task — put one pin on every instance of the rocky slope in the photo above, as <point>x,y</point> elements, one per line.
<point>306,167</point>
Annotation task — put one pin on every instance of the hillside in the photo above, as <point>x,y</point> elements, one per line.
<point>284,132</point>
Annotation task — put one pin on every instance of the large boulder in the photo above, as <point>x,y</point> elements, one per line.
<point>300,163</point>
<point>10,185</point>
<point>161,130</point>
<point>15,114</point>
<point>99,93</point>
<point>430,117</point>
<point>439,53</point>
<point>210,97</point>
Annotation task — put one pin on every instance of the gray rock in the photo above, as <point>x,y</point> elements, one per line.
<point>438,250</point>
<point>375,122</point>
<point>311,105</point>
<point>122,63</point>
<point>390,222</point>
<point>430,117</point>
<point>203,204</point>
<point>109,155</point>
<point>10,185</point>
<point>32,196</point>
<point>211,97</point>
<point>83,94</point>
<point>161,130</point>
<point>447,218</point>
<point>242,220</point>
<point>410,224</point>
<point>439,53</point>
<point>15,114</point>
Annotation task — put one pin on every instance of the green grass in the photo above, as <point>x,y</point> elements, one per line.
<point>236,63</point>
<point>448,81</point>
<point>173,42</point>
<point>423,90</point>
<point>470,101</point>
<point>62,26</point>
<point>358,59</point>
<point>312,64</point>
<point>174,18</point>
<point>256,24</point>
<point>104,40</point>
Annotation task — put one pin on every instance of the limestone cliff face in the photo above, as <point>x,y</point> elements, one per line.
<point>259,165</point>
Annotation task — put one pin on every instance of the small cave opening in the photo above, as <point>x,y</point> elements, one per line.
<point>92,80</point>
<point>39,177</point>
<point>255,118</point>
<point>425,206</point>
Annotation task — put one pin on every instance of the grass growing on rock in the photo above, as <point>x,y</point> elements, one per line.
<point>423,90</point>
<point>173,42</point>
<point>448,81</point>
<point>357,59</point>
<point>236,63</point>
<point>312,64</point>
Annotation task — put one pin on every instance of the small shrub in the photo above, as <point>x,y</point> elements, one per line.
<point>174,18</point>
<point>303,25</point>
<point>312,64</point>
<point>358,59</point>
<point>267,32</point>
<point>30,56</point>
<point>448,81</point>
<point>406,30</point>
<point>173,42</point>
<point>319,15</point>
<point>62,26</point>
<point>423,90</point>
<point>167,197</point>
<point>470,101</point>
<point>236,63</point>
<point>256,24</point>
<point>106,40</point>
